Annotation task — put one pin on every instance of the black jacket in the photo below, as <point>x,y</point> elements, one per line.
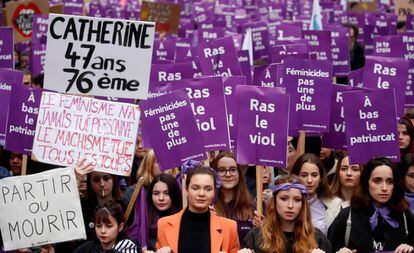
<point>361,236</point>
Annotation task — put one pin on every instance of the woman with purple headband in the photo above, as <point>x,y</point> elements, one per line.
<point>378,219</point>
<point>287,226</point>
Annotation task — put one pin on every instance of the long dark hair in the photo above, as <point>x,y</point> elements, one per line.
<point>362,198</point>
<point>323,190</point>
<point>410,130</point>
<point>113,209</point>
<point>173,191</point>
<point>116,191</point>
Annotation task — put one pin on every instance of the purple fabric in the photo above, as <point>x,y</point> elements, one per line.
<point>6,47</point>
<point>318,214</point>
<point>410,198</point>
<point>190,165</point>
<point>287,186</point>
<point>139,228</point>
<point>384,213</point>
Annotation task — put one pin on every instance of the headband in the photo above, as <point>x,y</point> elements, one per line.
<point>287,186</point>
<point>190,165</point>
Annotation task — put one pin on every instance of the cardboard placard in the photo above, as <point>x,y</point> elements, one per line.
<point>166,15</point>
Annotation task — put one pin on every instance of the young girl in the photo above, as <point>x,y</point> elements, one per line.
<point>323,207</point>
<point>346,180</point>
<point>287,226</point>
<point>109,229</point>
<point>378,218</point>
<point>196,229</point>
<point>234,200</point>
<point>164,198</point>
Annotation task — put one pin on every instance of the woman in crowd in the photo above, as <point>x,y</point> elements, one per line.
<point>378,218</point>
<point>110,234</point>
<point>323,207</point>
<point>234,200</point>
<point>287,226</point>
<point>164,198</point>
<point>196,228</point>
<point>407,173</point>
<point>405,136</point>
<point>346,180</point>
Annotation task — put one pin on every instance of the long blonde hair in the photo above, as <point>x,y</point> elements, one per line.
<point>272,237</point>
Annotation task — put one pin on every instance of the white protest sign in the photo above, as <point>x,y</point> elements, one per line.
<point>70,128</point>
<point>40,209</point>
<point>98,56</point>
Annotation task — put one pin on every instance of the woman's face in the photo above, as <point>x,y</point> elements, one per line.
<point>409,179</point>
<point>288,204</point>
<point>349,175</point>
<point>228,172</point>
<point>403,136</point>
<point>101,184</point>
<point>290,156</point>
<point>107,232</point>
<point>200,192</point>
<point>381,184</point>
<point>161,196</point>
<point>311,177</point>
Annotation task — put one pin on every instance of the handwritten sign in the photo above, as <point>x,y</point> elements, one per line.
<point>166,15</point>
<point>97,56</point>
<point>70,128</point>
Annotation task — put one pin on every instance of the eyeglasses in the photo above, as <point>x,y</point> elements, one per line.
<point>223,171</point>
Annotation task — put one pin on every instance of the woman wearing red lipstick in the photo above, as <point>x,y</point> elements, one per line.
<point>287,226</point>
<point>378,218</point>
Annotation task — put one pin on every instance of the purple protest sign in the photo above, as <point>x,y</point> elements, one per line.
<point>387,73</point>
<point>208,34</point>
<point>163,50</point>
<point>244,61</point>
<point>336,138</point>
<point>6,48</point>
<point>21,125</point>
<point>39,36</point>
<point>162,73</point>
<point>73,7</point>
<point>210,112</point>
<point>289,32</point>
<point>172,130</point>
<point>408,40</point>
<point>389,46</point>
<point>355,78</point>
<point>219,58</point>
<point>229,84</point>
<point>260,39</point>
<point>371,125</point>
<point>262,120</point>
<point>309,84</point>
<point>7,79</point>
<point>319,44</point>
<point>340,51</point>
<point>266,76</point>
<point>287,51</point>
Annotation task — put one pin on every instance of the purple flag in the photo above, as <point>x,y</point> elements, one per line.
<point>6,48</point>
<point>229,84</point>
<point>371,125</point>
<point>309,83</point>
<point>219,58</point>
<point>172,130</point>
<point>387,73</point>
<point>262,120</point>
<point>21,125</point>
<point>319,45</point>
<point>209,107</point>
<point>7,79</point>
<point>162,73</point>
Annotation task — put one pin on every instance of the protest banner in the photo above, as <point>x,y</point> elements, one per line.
<point>19,15</point>
<point>387,73</point>
<point>164,73</point>
<point>40,209</point>
<point>371,125</point>
<point>340,51</point>
<point>229,84</point>
<point>219,58</point>
<point>320,44</point>
<point>172,130</point>
<point>38,52</point>
<point>309,84</point>
<point>402,8</point>
<point>207,34</point>
<point>70,128</point>
<point>6,48</point>
<point>21,123</point>
<point>209,108</point>
<point>96,56</point>
<point>260,39</point>
<point>7,79</point>
<point>266,75</point>
<point>164,51</point>
<point>335,138</point>
<point>389,46</point>
<point>262,126</point>
<point>166,15</point>
<point>408,41</point>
